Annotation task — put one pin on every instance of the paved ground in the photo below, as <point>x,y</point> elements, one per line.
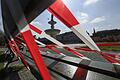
<point>16,71</point>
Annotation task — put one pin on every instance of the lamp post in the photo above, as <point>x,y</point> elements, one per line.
<point>52,32</point>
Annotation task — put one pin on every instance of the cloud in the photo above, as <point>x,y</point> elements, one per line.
<point>98,19</point>
<point>36,23</point>
<point>89,2</point>
<point>83,17</point>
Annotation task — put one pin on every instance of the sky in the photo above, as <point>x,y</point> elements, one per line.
<point>98,14</point>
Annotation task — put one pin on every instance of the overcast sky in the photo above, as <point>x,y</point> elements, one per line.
<point>98,14</point>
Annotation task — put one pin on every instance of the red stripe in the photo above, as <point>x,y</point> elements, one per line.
<point>52,48</point>
<point>35,53</point>
<point>60,10</point>
<point>85,49</point>
<point>12,48</point>
<point>110,59</point>
<point>19,42</point>
<point>107,56</point>
<point>15,50</point>
<point>118,56</point>
<point>19,38</point>
<point>112,55</point>
<point>74,52</point>
<point>108,44</point>
<point>80,74</point>
<point>35,29</point>
<point>19,53</point>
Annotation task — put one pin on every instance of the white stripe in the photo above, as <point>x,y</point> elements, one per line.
<point>40,43</point>
<point>86,58</point>
<point>62,54</point>
<point>49,37</point>
<point>26,28</point>
<point>81,33</point>
<point>116,63</point>
<point>52,39</point>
